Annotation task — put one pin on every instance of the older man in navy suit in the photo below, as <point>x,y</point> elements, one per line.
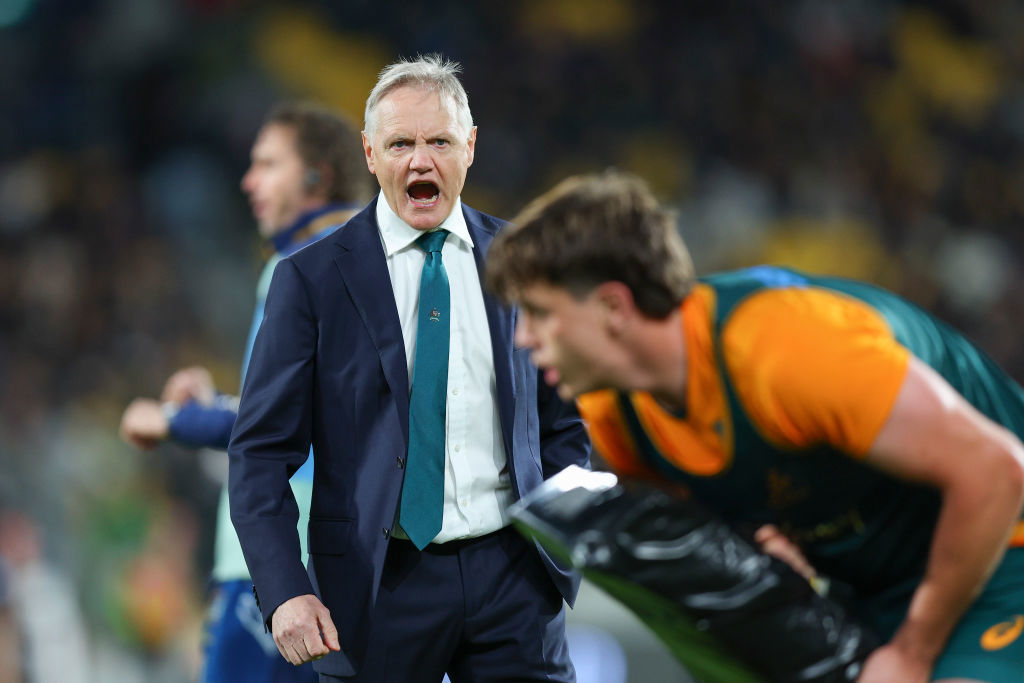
<point>380,348</point>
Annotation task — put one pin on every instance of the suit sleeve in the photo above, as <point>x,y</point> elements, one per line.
<point>563,442</point>
<point>563,436</point>
<point>271,440</point>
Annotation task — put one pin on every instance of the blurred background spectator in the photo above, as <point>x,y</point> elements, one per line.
<point>12,645</point>
<point>880,139</point>
<point>51,640</point>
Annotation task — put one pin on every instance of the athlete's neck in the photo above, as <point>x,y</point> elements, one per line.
<point>658,350</point>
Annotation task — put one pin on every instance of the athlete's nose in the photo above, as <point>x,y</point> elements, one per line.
<point>523,336</point>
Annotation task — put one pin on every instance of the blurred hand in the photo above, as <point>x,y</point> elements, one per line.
<point>889,663</point>
<point>193,383</point>
<point>303,630</point>
<point>144,424</point>
<point>777,544</point>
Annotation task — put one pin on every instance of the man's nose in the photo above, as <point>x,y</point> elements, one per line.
<point>248,181</point>
<point>421,159</point>
<point>523,337</point>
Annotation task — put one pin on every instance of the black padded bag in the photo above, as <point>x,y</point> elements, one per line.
<point>726,610</point>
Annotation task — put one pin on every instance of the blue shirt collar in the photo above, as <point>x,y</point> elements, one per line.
<point>311,226</point>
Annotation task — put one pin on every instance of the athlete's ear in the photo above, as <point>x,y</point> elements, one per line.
<point>617,304</point>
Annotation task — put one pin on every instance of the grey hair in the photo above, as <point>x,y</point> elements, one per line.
<point>434,73</point>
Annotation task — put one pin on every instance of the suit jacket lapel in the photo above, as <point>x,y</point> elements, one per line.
<point>363,266</point>
<point>501,322</point>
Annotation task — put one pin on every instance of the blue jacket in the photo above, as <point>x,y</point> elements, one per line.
<point>209,426</point>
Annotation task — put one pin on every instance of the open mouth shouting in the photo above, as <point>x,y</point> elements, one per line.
<point>423,193</point>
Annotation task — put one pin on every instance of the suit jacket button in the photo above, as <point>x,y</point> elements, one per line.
<point>386,532</point>
<point>401,462</point>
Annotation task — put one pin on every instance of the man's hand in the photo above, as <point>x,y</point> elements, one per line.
<point>303,630</point>
<point>888,663</point>
<point>777,544</point>
<point>144,423</point>
<point>190,384</point>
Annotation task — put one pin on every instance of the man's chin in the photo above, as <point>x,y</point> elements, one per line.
<point>424,218</point>
<point>569,392</point>
<point>554,378</point>
<point>267,229</point>
<point>565,392</point>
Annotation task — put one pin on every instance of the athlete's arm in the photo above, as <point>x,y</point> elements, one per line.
<point>933,436</point>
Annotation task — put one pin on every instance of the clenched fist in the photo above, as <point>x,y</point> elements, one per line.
<point>303,629</point>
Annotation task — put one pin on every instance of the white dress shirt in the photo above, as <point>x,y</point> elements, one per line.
<point>477,490</point>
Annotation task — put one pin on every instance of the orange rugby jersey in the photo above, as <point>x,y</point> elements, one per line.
<point>810,367</point>
<point>797,388</point>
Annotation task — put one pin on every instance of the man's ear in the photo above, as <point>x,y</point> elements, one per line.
<point>617,303</point>
<point>318,180</point>
<point>471,146</point>
<point>368,151</point>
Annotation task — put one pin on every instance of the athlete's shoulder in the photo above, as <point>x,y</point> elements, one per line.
<point>780,313</point>
<point>813,365</point>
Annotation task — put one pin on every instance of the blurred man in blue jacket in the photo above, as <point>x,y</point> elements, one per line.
<point>306,178</point>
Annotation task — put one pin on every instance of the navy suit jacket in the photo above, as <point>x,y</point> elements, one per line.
<point>328,369</point>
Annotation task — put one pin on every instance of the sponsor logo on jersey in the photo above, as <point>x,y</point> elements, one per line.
<point>1002,634</point>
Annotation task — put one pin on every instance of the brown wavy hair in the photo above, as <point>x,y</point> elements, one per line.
<point>326,141</point>
<point>591,229</point>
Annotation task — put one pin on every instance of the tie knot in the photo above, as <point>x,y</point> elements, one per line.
<point>432,241</point>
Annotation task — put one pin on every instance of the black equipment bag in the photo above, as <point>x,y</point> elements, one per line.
<point>727,611</point>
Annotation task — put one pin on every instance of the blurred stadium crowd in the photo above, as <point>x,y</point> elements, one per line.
<point>870,138</point>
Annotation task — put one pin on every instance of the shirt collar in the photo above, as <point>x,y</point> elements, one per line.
<point>309,226</point>
<point>397,234</point>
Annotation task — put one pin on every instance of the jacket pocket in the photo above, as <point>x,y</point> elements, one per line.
<point>329,536</point>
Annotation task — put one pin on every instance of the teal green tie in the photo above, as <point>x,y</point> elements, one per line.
<point>423,489</point>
